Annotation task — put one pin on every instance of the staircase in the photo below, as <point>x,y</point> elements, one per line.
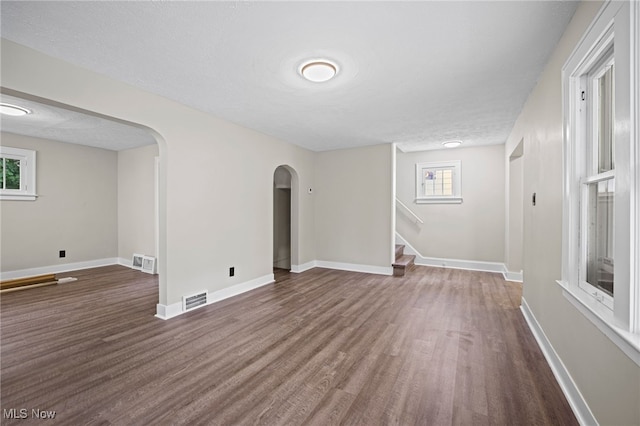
<point>403,261</point>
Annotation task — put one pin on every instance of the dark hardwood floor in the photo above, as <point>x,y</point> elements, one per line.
<point>436,347</point>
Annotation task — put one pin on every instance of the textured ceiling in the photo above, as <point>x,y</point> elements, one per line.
<point>410,72</point>
<point>62,124</point>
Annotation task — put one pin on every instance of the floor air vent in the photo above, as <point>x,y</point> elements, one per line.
<point>194,301</point>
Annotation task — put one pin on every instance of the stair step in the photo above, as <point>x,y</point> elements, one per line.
<point>405,260</point>
<point>402,263</point>
<point>399,250</point>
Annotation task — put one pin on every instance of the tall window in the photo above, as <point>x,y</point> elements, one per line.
<point>17,174</point>
<point>601,175</point>
<point>438,182</point>
<point>597,101</point>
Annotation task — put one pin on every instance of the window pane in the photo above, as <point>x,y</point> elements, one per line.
<point>12,173</point>
<point>605,113</point>
<point>1,173</point>
<point>600,235</point>
<point>429,187</point>
<point>447,182</point>
<point>429,182</point>
<point>438,182</point>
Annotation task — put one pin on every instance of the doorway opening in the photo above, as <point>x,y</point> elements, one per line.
<point>282,183</point>
<point>515,245</point>
<point>128,181</point>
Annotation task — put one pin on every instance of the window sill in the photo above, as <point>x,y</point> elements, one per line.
<point>439,200</point>
<point>15,197</point>
<point>603,318</point>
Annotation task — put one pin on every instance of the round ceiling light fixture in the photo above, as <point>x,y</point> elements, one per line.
<point>452,144</point>
<point>319,70</point>
<point>13,110</point>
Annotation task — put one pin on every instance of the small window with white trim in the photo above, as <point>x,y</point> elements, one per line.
<point>17,174</point>
<point>438,182</point>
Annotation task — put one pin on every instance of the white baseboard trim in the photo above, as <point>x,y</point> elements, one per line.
<point>354,267</point>
<point>571,392</point>
<point>169,311</point>
<point>237,289</point>
<point>55,269</point>
<point>471,265</point>
<point>512,276</point>
<point>296,269</point>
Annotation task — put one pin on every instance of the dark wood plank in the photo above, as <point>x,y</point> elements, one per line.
<point>437,346</point>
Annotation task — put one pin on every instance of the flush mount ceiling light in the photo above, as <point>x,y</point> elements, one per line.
<point>13,110</point>
<point>319,70</point>
<point>452,144</point>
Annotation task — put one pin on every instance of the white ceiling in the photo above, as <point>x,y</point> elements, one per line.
<point>62,124</point>
<point>410,72</point>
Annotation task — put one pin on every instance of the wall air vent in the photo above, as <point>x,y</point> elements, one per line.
<point>194,301</point>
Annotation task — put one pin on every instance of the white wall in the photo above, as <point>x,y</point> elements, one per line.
<point>353,206</point>
<point>216,178</point>
<point>608,380</point>
<point>76,208</point>
<point>473,230</point>
<point>136,202</point>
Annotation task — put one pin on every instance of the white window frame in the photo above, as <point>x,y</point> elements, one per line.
<point>593,66</point>
<point>27,158</point>
<point>617,24</point>
<point>456,198</point>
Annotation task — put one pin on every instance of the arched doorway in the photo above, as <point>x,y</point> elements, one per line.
<point>285,219</point>
<point>282,219</point>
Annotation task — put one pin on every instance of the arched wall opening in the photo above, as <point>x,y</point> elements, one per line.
<point>148,161</point>
<point>285,217</point>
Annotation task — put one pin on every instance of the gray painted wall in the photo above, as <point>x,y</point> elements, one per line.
<point>473,230</point>
<point>76,208</point>
<point>353,200</point>
<point>136,202</point>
